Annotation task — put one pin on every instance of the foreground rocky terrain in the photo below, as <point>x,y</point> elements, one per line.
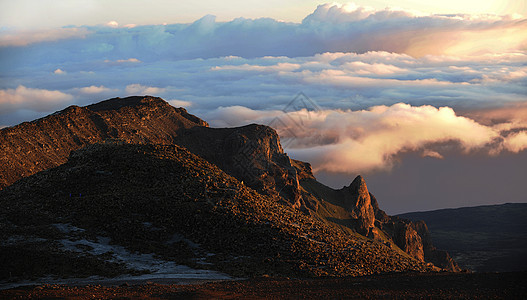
<point>135,177</point>
<point>389,286</point>
<point>167,201</point>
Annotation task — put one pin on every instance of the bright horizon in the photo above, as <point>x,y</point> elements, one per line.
<point>28,14</point>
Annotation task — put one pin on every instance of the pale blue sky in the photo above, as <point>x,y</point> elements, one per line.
<point>31,14</point>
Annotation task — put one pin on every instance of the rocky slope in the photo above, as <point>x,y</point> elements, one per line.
<point>47,142</point>
<point>356,208</point>
<point>251,154</point>
<point>164,200</point>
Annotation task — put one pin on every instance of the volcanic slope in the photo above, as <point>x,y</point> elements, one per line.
<point>252,154</point>
<point>162,199</point>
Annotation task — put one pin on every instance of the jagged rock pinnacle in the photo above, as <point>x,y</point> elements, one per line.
<point>359,205</point>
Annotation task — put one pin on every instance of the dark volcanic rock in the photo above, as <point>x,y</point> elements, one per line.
<point>404,235</point>
<point>361,212</point>
<point>413,237</point>
<point>113,190</point>
<point>438,257</point>
<point>252,154</point>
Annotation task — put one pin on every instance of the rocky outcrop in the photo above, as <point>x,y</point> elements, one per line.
<point>354,207</point>
<point>252,154</point>
<point>403,234</point>
<point>439,258</point>
<point>358,203</point>
<point>413,237</point>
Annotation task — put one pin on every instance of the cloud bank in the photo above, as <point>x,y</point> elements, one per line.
<point>334,80</point>
<point>330,28</point>
<point>24,38</point>
<point>388,81</point>
<point>347,141</point>
<point>34,99</point>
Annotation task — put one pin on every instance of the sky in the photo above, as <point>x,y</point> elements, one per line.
<point>426,99</point>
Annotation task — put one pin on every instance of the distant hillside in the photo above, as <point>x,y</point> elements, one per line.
<point>489,238</point>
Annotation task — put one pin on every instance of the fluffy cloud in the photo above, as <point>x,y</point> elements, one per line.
<point>346,141</point>
<point>330,28</point>
<point>138,89</point>
<point>31,99</point>
<point>334,80</point>
<point>180,103</point>
<point>516,142</point>
<point>279,67</point>
<point>112,24</point>
<point>24,38</point>
<point>95,89</point>
<point>355,62</point>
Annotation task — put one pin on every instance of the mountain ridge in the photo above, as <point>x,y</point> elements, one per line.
<point>47,142</point>
<point>252,154</point>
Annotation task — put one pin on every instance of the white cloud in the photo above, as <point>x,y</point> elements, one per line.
<point>347,141</point>
<point>334,80</point>
<point>180,103</point>
<point>330,28</point>
<point>338,14</point>
<point>95,89</point>
<point>238,116</point>
<point>113,24</point>
<point>516,142</point>
<point>432,153</point>
<point>280,67</point>
<point>24,38</point>
<point>138,89</point>
<point>31,99</point>
<point>120,61</point>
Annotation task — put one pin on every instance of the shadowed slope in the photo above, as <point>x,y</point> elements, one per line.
<point>141,196</point>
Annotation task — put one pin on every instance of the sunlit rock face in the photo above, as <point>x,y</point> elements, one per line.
<point>34,146</point>
<point>358,203</point>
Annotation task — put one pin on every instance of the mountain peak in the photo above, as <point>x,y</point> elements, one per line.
<point>34,146</point>
<point>358,203</point>
<point>359,184</point>
<point>117,103</point>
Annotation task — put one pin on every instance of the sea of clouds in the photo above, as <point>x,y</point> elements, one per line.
<point>384,82</point>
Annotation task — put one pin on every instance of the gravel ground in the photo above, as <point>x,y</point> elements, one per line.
<point>399,286</point>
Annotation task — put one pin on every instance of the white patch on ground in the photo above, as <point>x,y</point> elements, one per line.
<point>67,228</point>
<point>19,239</point>
<point>138,261</point>
<point>160,270</point>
